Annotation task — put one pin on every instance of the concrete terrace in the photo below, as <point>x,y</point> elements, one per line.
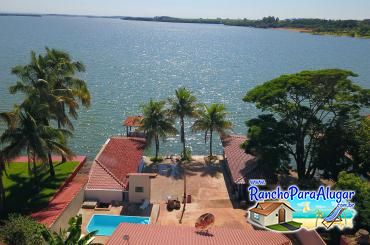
<point>204,182</point>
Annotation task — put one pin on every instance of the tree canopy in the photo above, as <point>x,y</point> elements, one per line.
<point>306,105</point>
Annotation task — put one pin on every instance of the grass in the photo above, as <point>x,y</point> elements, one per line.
<point>277,227</point>
<point>24,195</point>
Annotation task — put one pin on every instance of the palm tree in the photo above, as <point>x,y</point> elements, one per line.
<point>71,236</point>
<point>212,118</point>
<point>66,85</point>
<point>35,138</point>
<point>52,78</point>
<point>9,118</point>
<point>318,214</point>
<point>183,105</point>
<point>156,124</point>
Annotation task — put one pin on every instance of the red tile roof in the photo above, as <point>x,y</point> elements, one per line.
<point>133,121</point>
<point>118,157</point>
<point>62,198</point>
<point>182,235</point>
<point>242,166</point>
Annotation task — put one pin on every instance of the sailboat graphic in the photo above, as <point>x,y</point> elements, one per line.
<point>306,207</point>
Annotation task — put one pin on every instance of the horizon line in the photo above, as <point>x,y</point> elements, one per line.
<point>121,16</point>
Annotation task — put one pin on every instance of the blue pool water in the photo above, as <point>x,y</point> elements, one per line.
<point>106,224</point>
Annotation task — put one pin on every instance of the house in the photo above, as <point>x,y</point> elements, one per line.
<point>271,213</point>
<point>183,235</point>
<point>241,167</point>
<point>139,186</point>
<point>118,157</point>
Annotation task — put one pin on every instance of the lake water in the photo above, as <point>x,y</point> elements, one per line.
<point>130,62</point>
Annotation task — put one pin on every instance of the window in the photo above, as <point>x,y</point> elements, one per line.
<point>256,216</point>
<point>139,189</point>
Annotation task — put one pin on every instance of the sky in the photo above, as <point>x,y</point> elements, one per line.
<point>252,9</point>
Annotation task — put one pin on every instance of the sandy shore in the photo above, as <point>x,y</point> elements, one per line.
<point>294,29</point>
<point>311,223</point>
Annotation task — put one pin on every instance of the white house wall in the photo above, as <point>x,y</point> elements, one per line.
<point>139,181</point>
<point>260,221</point>
<point>273,218</point>
<point>106,196</point>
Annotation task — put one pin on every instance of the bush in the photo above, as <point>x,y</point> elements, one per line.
<point>350,181</point>
<point>21,230</point>
<point>158,159</point>
<point>186,156</point>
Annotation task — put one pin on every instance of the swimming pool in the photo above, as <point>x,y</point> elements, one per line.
<point>106,224</point>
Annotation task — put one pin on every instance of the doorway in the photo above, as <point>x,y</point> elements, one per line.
<point>281,215</point>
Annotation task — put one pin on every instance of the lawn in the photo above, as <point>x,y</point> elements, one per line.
<point>279,227</point>
<point>22,193</point>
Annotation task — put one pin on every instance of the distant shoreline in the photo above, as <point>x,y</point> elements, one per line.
<point>348,28</point>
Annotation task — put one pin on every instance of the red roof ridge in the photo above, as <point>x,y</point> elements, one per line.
<point>110,173</point>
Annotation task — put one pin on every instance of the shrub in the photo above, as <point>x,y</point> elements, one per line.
<point>21,230</point>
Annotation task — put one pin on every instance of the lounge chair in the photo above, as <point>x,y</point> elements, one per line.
<point>145,204</point>
<point>334,216</point>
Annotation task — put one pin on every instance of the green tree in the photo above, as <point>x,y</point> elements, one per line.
<point>350,181</point>
<point>264,136</point>
<point>308,103</point>
<point>319,214</point>
<point>183,105</point>
<point>212,119</point>
<point>21,230</point>
<point>71,236</point>
<point>9,118</point>
<point>51,78</point>
<point>156,124</point>
<point>36,139</point>
<point>360,150</point>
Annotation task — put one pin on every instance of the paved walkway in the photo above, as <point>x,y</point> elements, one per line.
<point>289,226</point>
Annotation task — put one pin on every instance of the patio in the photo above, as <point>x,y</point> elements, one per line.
<point>204,182</point>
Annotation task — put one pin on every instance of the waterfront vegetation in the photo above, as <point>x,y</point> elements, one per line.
<point>310,118</point>
<point>352,28</point>
<point>182,106</point>
<point>52,96</point>
<point>156,123</point>
<point>212,119</point>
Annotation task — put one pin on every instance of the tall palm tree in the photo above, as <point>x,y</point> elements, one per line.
<point>35,138</point>
<point>9,118</point>
<point>183,105</point>
<point>156,124</point>
<point>52,79</point>
<point>212,118</point>
<point>318,214</point>
<point>66,86</point>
